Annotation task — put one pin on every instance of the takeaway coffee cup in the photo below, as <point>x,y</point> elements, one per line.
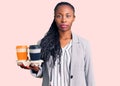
<point>22,55</point>
<point>34,53</point>
<point>22,52</point>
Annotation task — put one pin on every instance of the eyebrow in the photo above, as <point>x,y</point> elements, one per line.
<point>61,14</point>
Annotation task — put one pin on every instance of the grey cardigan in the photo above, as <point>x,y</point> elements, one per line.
<point>81,70</point>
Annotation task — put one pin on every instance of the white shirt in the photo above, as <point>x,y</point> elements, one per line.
<point>62,78</point>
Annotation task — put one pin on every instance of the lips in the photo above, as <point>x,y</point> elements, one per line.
<point>63,26</point>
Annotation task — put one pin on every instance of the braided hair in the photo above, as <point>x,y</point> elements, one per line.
<point>50,44</point>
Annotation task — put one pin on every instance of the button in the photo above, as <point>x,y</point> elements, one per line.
<point>71,76</point>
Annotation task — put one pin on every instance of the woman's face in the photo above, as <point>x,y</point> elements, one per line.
<point>64,17</point>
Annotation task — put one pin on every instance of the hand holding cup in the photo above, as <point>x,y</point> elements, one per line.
<point>30,67</point>
<point>22,57</point>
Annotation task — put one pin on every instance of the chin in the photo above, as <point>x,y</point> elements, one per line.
<point>64,30</point>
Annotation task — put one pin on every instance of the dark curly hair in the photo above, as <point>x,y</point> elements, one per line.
<point>50,44</point>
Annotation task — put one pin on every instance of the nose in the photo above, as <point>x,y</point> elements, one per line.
<point>63,20</point>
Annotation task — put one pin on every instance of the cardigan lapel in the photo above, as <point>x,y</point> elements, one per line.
<point>77,55</point>
<point>75,43</point>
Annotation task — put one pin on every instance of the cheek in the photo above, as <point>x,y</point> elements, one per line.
<point>57,21</point>
<point>71,21</point>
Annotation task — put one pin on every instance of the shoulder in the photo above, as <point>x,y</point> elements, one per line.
<point>83,41</point>
<point>79,39</point>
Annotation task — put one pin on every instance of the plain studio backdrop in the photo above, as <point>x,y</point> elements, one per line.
<point>26,21</point>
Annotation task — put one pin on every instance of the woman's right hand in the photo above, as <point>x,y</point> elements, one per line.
<point>22,65</point>
<point>30,67</point>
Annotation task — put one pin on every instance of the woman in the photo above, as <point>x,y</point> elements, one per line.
<point>66,56</point>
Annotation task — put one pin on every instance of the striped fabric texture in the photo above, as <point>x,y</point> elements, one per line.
<point>60,72</point>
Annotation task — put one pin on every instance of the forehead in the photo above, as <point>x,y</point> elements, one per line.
<point>64,8</point>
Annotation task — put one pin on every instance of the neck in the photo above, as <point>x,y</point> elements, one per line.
<point>65,35</point>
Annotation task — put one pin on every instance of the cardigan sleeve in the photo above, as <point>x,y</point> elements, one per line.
<point>88,67</point>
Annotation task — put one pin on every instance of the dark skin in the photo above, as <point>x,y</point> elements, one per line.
<point>30,67</point>
<point>64,17</point>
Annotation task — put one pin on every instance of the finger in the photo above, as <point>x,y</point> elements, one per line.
<point>25,67</point>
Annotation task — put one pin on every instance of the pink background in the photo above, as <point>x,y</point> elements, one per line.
<point>26,21</point>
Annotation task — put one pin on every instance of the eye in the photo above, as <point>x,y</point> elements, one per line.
<point>58,16</point>
<point>68,16</point>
